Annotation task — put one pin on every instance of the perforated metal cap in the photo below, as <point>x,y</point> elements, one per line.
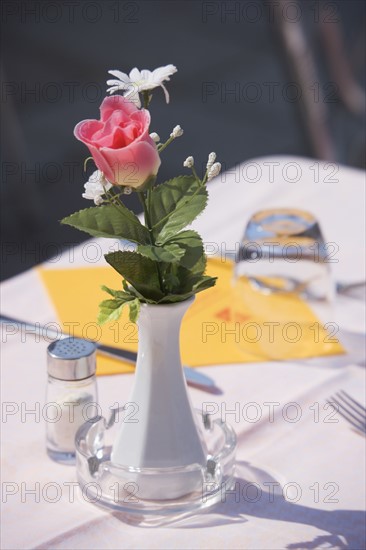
<point>71,359</point>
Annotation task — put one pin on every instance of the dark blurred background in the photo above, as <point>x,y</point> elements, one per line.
<point>254,78</point>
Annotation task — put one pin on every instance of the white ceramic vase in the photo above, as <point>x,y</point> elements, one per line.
<point>165,434</point>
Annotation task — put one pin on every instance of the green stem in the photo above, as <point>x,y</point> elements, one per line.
<point>164,145</point>
<point>115,201</point>
<point>147,98</point>
<point>86,162</point>
<point>149,198</point>
<point>111,199</point>
<point>195,174</point>
<point>152,240</point>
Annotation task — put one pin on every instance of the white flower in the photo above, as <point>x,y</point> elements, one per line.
<point>214,171</point>
<point>211,160</point>
<point>140,81</point>
<point>95,187</point>
<point>155,137</point>
<point>189,162</point>
<point>177,132</point>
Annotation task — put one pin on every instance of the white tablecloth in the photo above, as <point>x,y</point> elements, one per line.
<point>317,462</point>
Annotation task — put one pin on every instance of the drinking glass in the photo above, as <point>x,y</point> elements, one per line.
<point>282,285</point>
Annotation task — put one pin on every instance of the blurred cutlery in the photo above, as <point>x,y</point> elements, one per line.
<point>350,409</point>
<point>193,377</point>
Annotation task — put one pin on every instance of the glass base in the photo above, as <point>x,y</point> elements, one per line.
<point>123,489</point>
<point>62,457</point>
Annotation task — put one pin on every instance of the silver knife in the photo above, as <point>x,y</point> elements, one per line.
<point>193,377</point>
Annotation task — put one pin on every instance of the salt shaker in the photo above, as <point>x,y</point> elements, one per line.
<point>71,395</point>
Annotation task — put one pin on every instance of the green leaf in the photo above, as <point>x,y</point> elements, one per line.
<point>136,294</point>
<point>134,310</point>
<point>173,298</point>
<point>201,283</point>
<point>175,204</point>
<point>109,221</point>
<point>193,254</point>
<point>119,294</point>
<point>168,254</point>
<point>171,279</point>
<point>110,310</point>
<point>139,271</point>
<point>189,281</point>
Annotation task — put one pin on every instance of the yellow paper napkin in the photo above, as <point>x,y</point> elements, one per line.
<point>225,324</point>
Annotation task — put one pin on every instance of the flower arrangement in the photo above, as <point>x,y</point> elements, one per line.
<point>167,263</point>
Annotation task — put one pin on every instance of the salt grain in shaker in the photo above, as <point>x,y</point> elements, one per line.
<point>71,394</point>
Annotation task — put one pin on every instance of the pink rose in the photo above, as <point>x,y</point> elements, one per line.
<point>120,143</point>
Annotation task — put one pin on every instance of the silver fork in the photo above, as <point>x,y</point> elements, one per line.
<point>350,409</point>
